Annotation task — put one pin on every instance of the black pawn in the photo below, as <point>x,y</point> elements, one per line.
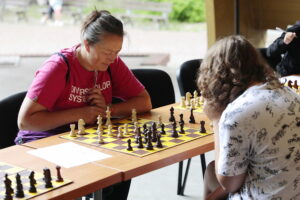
<point>32,181</point>
<point>172,118</point>
<point>19,187</point>
<point>181,128</point>
<point>162,132</point>
<point>149,143</point>
<point>129,147</point>
<point>140,145</point>
<point>59,177</point>
<point>159,144</point>
<point>192,118</point>
<point>145,129</point>
<point>47,178</point>
<point>202,127</point>
<point>181,121</point>
<point>174,131</point>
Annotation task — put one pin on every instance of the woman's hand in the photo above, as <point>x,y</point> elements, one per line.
<point>95,98</point>
<point>90,113</point>
<point>288,38</point>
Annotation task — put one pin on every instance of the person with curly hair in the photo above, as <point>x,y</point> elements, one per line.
<point>256,123</point>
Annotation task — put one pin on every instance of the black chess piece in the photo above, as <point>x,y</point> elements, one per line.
<point>7,183</point>
<point>181,119</point>
<point>32,188</point>
<point>295,85</point>
<point>202,127</point>
<point>31,176</point>
<point>154,132</point>
<point>149,143</point>
<point>290,84</point>
<point>162,132</point>
<point>192,118</point>
<point>174,131</point>
<point>158,143</point>
<point>172,118</point>
<point>129,147</point>
<point>19,187</point>
<point>59,177</point>
<point>140,145</point>
<point>181,128</point>
<point>138,134</point>
<point>145,129</point>
<point>47,178</point>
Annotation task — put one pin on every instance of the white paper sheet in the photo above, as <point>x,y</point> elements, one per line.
<point>68,154</point>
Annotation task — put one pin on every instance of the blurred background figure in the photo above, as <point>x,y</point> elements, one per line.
<point>54,9</point>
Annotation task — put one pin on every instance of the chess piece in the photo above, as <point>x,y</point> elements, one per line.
<point>181,128</point>
<point>158,143</point>
<point>135,125</point>
<point>120,132</point>
<point>193,103</point>
<point>19,187</point>
<point>108,116</point>
<point>182,103</point>
<point>174,131</point>
<point>126,129</point>
<point>145,128</point>
<point>290,84</point>
<point>140,142</point>
<point>195,94</point>
<point>100,134</point>
<point>110,133</point>
<point>181,121</point>
<point>163,132</point>
<point>137,135</point>
<point>72,132</point>
<point>159,121</point>
<point>149,143</point>
<point>59,177</point>
<point>202,127</point>
<point>133,115</point>
<point>295,85</point>
<point>188,96</point>
<point>197,102</point>
<point>129,147</point>
<point>99,122</point>
<point>47,178</point>
<point>8,194</point>
<point>154,132</point>
<point>172,118</point>
<point>81,129</point>
<point>32,182</point>
<point>8,189</point>
<point>192,118</point>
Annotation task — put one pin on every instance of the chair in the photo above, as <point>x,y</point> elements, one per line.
<point>158,84</point>
<point>9,109</point>
<point>186,78</point>
<point>272,61</point>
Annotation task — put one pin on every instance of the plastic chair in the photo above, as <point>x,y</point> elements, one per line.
<point>9,109</point>
<point>186,78</point>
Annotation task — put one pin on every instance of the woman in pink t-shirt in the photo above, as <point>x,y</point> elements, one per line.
<point>79,83</point>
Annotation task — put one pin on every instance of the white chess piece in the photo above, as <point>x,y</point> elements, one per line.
<point>195,94</point>
<point>192,103</point>
<point>197,102</point>
<point>159,121</point>
<point>72,132</point>
<point>136,125</point>
<point>133,115</point>
<point>81,129</point>
<point>100,136</point>
<point>120,132</point>
<point>110,133</point>
<point>126,129</point>
<point>183,102</point>
<point>108,116</point>
<point>188,96</point>
<point>99,122</point>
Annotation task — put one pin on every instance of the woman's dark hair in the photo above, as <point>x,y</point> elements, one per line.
<point>230,66</point>
<point>99,23</point>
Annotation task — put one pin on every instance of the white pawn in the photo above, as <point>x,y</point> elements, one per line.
<point>182,104</point>
<point>99,122</point>
<point>133,115</point>
<point>110,130</point>
<point>126,129</point>
<point>108,116</point>
<point>81,129</point>
<point>72,132</point>
<point>188,96</point>
<point>159,121</point>
<point>197,102</point>
<point>100,136</point>
<point>195,94</point>
<point>120,132</point>
<point>193,103</point>
<point>136,126</point>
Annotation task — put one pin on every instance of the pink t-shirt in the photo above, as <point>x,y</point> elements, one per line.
<point>51,89</point>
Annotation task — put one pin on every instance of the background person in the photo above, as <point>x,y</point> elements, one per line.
<point>256,125</point>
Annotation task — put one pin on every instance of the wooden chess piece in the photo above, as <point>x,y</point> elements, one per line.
<point>202,127</point>
<point>192,118</point>
<point>140,142</point>
<point>158,143</point>
<point>129,147</point>
<point>19,190</point>
<point>59,177</point>
<point>162,132</point>
<point>174,131</point>
<point>81,129</point>
<point>172,118</point>
<point>47,178</point>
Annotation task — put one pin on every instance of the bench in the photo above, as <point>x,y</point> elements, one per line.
<point>75,8</point>
<point>133,9</point>
<point>19,7</point>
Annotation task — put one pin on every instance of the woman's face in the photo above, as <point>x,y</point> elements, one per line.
<point>102,54</point>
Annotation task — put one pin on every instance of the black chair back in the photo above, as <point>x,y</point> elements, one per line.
<point>187,75</point>
<point>272,61</point>
<point>9,109</point>
<point>158,84</point>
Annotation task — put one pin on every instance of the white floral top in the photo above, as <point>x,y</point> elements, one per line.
<point>259,135</point>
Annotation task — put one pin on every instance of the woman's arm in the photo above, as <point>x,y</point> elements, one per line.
<point>33,116</point>
<point>141,102</point>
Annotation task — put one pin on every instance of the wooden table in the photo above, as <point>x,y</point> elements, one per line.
<point>86,178</point>
<point>133,166</point>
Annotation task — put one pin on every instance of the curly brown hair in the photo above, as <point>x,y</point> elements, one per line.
<point>230,66</point>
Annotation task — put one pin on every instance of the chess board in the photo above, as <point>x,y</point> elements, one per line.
<point>12,170</point>
<point>292,86</point>
<point>120,144</point>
